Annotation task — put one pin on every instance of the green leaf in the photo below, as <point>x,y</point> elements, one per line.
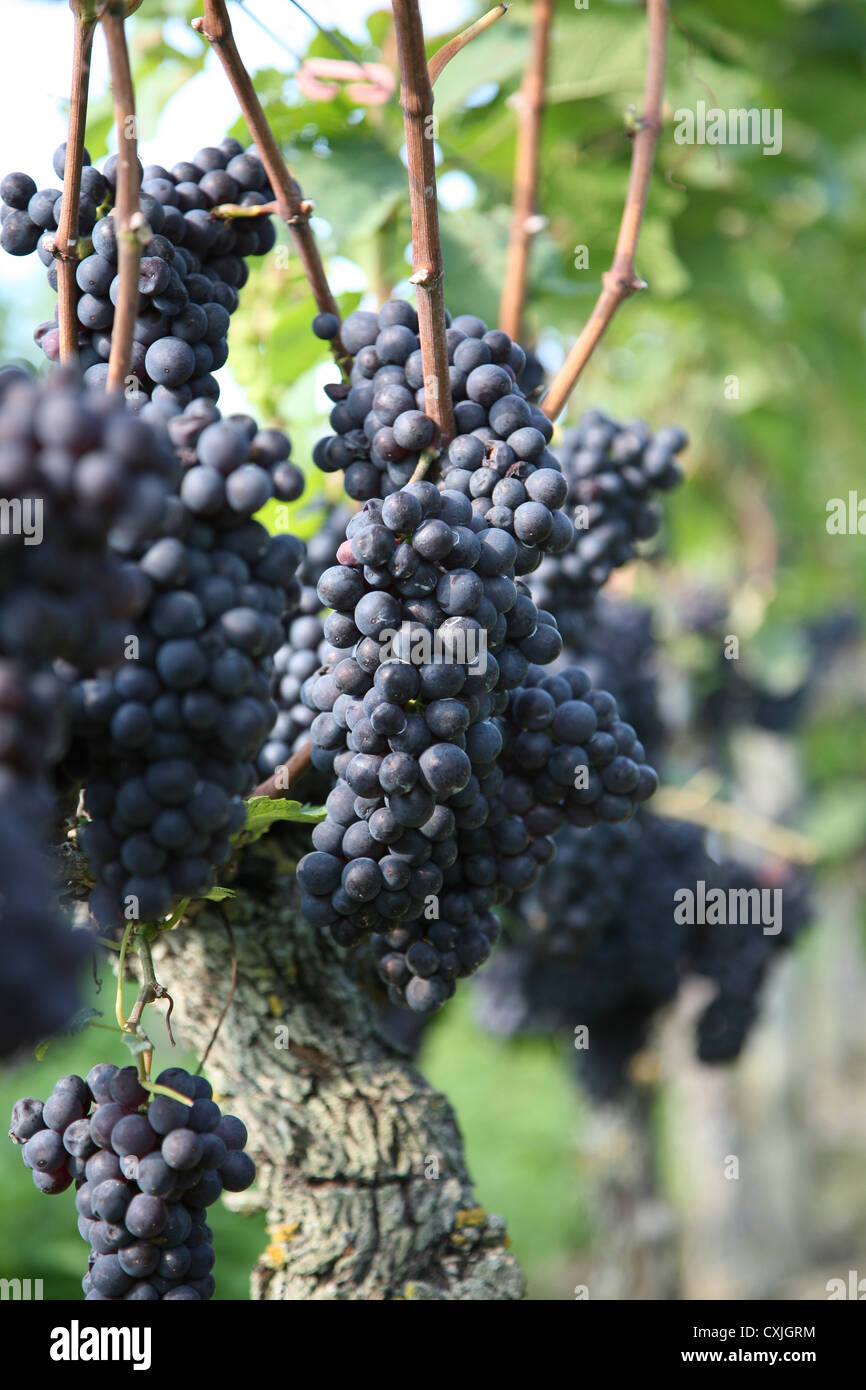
<point>262,812</point>
<point>77,1024</point>
<point>217,894</point>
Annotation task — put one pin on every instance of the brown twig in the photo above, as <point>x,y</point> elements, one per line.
<point>126,208</point>
<point>442,57</point>
<point>66,237</point>
<point>292,207</point>
<point>621,280</point>
<point>416,100</point>
<point>281,780</point>
<point>530,112</point>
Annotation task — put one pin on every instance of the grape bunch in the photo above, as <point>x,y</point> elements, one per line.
<point>81,480</point>
<point>604,949</point>
<point>305,650</point>
<point>613,473</point>
<point>431,630</point>
<point>166,746</point>
<point>40,958</point>
<point>144,1174</point>
<point>619,651</point>
<point>568,755</point>
<point>78,475</point>
<point>601,946</point>
<point>737,957</point>
<point>381,430</point>
<point>192,264</point>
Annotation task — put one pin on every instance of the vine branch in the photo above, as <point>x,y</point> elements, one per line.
<point>530,113</point>
<point>694,806</point>
<point>283,777</point>
<point>127,213</point>
<point>292,207</point>
<point>416,101</point>
<point>621,280</point>
<point>442,57</point>
<point>66,237</point>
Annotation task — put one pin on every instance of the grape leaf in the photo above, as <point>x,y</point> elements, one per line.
<point>262,812</point>
<point>217,894</point>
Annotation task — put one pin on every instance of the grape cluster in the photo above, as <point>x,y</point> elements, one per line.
<point>192,264</point>
<point>619,651</point>
<point>166,746</point>
<point>40,958</point>
<point>430,629</point>
<point>144,1175</point>
<point>382,430</point>
<point>305,651</point>
<point>730,696</point>
<point>601,946</point>
<point>79,479</point>
<point>736,959</point>
<point>82,481</point>
<point>613,473</point>
<point>568,755</point>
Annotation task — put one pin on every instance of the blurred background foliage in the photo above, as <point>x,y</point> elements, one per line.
<point>751,335</point>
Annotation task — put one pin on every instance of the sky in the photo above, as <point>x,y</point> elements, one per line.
<point>35,90</point>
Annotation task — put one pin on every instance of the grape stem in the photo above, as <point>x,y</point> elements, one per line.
<point>283,777</point>
<point>175,917</point>
<point>442,57</point>
<point>151,988</point>
<point>124,946</point>
<point>215,26</point>
<point>419,123</point>
<point>621,280</point>
<point>422,467</point>
<point>126,204</point>
<point>65,248</point>
<point>233,210</point>
<point>156,1088</point>
<point>524,223</point>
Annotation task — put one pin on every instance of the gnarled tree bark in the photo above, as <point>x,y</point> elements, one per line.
<point>361,1166</point>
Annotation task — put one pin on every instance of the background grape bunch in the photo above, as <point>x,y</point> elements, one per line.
<point>192,264</point>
